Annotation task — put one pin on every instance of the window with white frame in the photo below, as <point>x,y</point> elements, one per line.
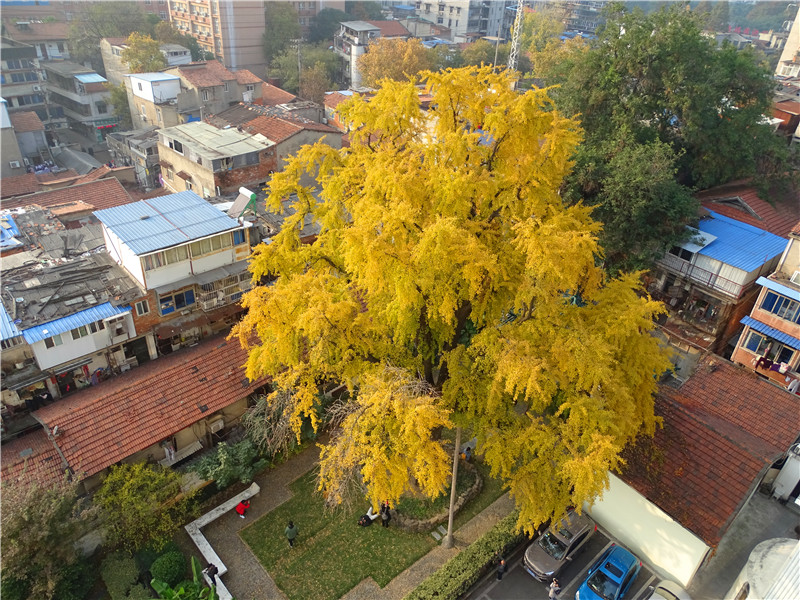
<point>165,257</point>
<point>142,308</point>
<point>204,94</point>
<point>209,245</point>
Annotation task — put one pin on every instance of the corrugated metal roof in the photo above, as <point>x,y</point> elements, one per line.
<point>7,328</point>
<point>782,337</point>
<point>64,324</point>
<point>212,143</point>
<point>157,223</point>
<point>778,287</point>
<point>90,78</point>
<point>739,244</point>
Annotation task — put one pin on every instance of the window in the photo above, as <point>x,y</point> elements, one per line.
<point>96,326</point>
<point>755,342</point>
<point>176,145</point>
<point>101,107</point>
<point>250,87</point>
<point>782,307</point>
<point>205,94</point>
<point>177,301</point>
<point>681,253</point>
<point>167,257</point>
<point>209,245</point>
<point>225,86</point>
<point>142,308</point>
<point>163,15</point>
<point>169,174</point>
<point>140,88</point>
<point>158,112</point>
<point>189,185</point>
<point>51,342</point>
<point>79,332</point>
<point>238,237</point>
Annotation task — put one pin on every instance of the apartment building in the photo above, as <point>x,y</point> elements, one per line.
<point>12,160</point>
<point>770,342</point>
<point>211,162</point>
<point>467,20</point>
<point>789,62</point>
<point>230,30</point>
<point>83,96</point>
<point>20,75</point>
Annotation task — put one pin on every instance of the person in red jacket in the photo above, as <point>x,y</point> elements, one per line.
<point>242,507</point>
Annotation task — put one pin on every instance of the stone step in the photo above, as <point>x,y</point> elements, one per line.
<point>442,529</point>
<point>436,535</point>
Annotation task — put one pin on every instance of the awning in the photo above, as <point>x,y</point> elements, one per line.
<point>65,324</point>
<point>783,338</point>
<point>184,175</point>
<point>779,288</point>
<point>165,164</point>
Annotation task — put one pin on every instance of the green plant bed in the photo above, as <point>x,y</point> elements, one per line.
<point>332,553</point>
<point>424,508</point>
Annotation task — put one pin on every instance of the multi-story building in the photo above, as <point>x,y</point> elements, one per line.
<point>789,62</point>
<point>20,75</point>
<point>709,282</point>
<point>138,149</point>
<point>12,161</point>
<point>351,43</point>
<point>209,161</point>
<point>230,30</point>
<point>770,342</point>
<point>188,93</point>
<point>111,50</point>
<point>83,96</point>
<point>467,20</point>
<point>31,138</point>
<point>48,38</point>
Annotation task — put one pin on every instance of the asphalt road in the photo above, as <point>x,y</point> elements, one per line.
<point>517,584</point>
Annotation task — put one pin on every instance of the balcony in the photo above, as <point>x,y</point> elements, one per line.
<point>702,276</point>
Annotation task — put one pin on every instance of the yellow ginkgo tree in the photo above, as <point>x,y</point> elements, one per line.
<point>449,286</point>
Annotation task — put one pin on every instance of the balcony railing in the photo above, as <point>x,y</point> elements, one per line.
<point>703,276</point>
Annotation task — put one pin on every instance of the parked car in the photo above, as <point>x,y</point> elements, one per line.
<point>668,590</point>
<point>611,576</point>
<point>548,553</point>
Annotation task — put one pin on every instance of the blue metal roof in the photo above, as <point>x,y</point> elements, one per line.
<point>8,233</point>
<point>739,244</point>
<point>157,223</point>
<point>7,328</point>
<point>779,288</point>
<point>783,338</point>
<point>64,324</point>
<point>90,78</point>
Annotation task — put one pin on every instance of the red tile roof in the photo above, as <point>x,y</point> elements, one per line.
<point>271,95</point>
<point>204,74</point>
<point>18,185</point>
<point>777,216</point>
<point>117,41</point>
<point>102,425</point>
<point>722,429</point>
<point>34,456</point>
<point>36,32</point>
<point>103,193</point>
<point>244,76</point>
<point>278,130</point>
<point>796,229</point>
<point>98,173</point>
<point>390,29</point>
<point>60,176</point>
<point>26,121</point>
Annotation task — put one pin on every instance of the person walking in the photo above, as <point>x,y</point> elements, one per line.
<point>552,594</point>
<point>385,514</point>
<point>291,532</point>
<point>501,568</point>
<point>241,508</point>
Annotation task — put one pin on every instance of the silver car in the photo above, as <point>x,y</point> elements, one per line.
<point>548,554</point>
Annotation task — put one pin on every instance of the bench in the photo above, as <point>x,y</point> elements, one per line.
<point>205,548</point>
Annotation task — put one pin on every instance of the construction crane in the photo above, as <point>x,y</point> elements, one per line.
<point>514,53</point>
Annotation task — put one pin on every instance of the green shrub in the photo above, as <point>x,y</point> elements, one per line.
<point>462,571</point>
<point>120,575</point>
<point>76,581</point>
<point>169,568</point>
<point>227,464</point>
<point>14,589</point>
<point>147,555</point>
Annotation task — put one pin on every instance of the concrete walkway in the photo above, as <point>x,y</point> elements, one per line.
<point>246,578</point>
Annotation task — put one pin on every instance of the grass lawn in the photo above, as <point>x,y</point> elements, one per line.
<point>332,553</point>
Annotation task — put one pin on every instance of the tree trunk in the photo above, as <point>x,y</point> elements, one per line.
<point>448,540</point>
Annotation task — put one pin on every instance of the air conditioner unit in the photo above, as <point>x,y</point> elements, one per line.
<point>217,425</point>
<point>14,164</point>
<point>796,277</point>
<point>37,88</point>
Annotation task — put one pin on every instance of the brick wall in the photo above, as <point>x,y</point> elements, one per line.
<point>231,181</point>
<point>741,309</point>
